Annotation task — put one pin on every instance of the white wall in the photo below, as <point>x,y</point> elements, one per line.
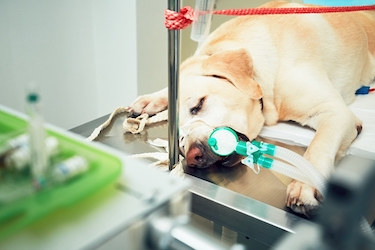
<point>115,40</point>
<point>83,54</point>
<point>88,56</point>
<point>152,46</point>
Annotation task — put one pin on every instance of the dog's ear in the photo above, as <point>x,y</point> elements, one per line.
<point>237,67</point>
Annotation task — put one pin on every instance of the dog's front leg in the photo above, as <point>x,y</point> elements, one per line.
<point>335,131</point>
<point>151,103</point>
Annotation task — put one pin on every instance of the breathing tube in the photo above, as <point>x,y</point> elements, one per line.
<point>224,141</point>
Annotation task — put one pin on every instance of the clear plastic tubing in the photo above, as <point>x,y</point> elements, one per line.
<point>285,169</point>
<point>223,141</point>
<point>319,182</point>
<point>316,178</point>
<point>305,166</point>
<point>202,20</point>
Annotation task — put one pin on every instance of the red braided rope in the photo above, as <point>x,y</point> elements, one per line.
<point>178,20</point>
<point>295,10</point>
<point>181,20</point>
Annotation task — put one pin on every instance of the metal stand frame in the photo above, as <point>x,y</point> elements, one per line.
<point>173,96</point>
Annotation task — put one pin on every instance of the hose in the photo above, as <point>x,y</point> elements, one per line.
<point>316,178</point>
<point>303,171</point>
<point>285,169</point>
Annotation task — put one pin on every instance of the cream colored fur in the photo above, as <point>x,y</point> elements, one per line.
<point>305,68</point>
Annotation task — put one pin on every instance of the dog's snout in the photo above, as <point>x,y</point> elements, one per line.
<point>195,157</point>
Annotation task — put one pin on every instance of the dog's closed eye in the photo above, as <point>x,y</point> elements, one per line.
<point>198,107</point>
<point>217,76</point>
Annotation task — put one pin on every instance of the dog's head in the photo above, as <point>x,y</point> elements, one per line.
<point>217,90</point>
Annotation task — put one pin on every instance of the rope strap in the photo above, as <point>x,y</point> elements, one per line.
<point>178,20</point>
<point>137,125</point>
<point>293,10</point>
<point>181,20</point>
<point>132,125</point>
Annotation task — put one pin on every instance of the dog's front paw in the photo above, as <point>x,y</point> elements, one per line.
<point>151,103</point>
<point>303,199</point>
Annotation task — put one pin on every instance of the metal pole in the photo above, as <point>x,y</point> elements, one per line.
<point>173,104</point>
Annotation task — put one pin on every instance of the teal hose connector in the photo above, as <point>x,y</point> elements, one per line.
<point>224,141</point>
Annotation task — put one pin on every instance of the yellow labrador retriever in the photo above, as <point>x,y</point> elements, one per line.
<point>258,70</point>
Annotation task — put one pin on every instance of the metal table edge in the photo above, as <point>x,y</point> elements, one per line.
<point>241,213</point>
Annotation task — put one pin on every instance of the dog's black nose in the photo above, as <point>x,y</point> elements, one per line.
<point>195,157</point>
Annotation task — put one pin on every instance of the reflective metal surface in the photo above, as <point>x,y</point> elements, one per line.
<point>350,195</point>
<point>173,70</point>
<point>237,198</point>
<point>266,186</point>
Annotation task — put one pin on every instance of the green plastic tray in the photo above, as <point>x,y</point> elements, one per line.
<point>104,168</point>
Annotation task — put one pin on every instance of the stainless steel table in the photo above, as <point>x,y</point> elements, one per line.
<point>251,205</point>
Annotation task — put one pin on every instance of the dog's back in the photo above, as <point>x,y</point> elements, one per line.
<point>328,43</point>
